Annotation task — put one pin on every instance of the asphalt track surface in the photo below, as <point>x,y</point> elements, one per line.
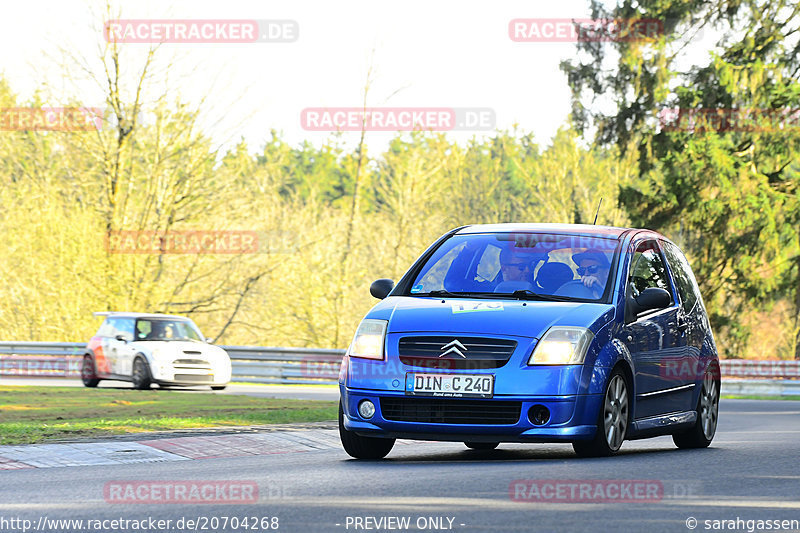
<point>751,473</point>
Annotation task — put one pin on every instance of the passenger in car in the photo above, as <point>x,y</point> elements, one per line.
<point>593,268</point>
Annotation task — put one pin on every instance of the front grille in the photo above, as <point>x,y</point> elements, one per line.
<point>441,411</point>
<point>190,362</point>
<point>194,378</point>
<point>477,352</point>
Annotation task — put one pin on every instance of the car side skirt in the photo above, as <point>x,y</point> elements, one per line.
<point>661,425</point>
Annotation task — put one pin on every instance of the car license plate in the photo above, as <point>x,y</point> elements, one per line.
<point>450,385</point>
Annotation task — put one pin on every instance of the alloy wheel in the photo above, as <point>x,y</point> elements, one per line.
<point>615,414</point>
<point>709,406</point>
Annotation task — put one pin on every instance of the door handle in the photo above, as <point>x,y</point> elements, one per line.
<point>681,324</point>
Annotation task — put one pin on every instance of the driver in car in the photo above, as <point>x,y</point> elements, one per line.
<point>593,268</point>
<point>515,266</point>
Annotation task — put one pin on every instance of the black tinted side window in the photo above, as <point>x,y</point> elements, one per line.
<point>684,278</point>
<point>647,269</point>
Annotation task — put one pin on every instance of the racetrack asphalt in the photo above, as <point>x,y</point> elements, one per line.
<point>750,473</point>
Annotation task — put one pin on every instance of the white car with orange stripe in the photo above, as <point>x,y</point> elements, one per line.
<point>148,349</point>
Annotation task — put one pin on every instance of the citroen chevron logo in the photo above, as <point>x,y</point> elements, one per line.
<point>453,347</point>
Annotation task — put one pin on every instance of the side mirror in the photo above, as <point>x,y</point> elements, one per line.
<point>121,337</point>
<point>381,288</point>
<point>210,340</point>
<point>652,298</point>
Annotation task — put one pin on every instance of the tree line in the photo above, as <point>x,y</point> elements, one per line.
<point>330,219</point>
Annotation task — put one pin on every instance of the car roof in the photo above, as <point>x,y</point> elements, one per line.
<point>577,229</point>
<point>125,314</point>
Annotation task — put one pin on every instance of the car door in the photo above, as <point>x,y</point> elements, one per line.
<point>118,351</point>
<point>102,351</point>
<point>126,349</point>
<point>653,337</point>
<point>111,346</point>
<point>691,318</point>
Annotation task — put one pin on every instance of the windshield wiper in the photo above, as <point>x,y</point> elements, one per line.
<point>527,294</point>
<point>522,294</point>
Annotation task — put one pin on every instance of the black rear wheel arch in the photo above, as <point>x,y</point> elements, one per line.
<point>89,371</point>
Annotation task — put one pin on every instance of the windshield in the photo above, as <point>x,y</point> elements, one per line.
<point>166,329</point>
<point>519,264</point>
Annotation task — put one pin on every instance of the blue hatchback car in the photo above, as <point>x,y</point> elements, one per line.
<point>534,333</point>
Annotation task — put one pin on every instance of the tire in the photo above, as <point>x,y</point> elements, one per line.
<point>613,420</point>
<point>88,372</point>
<point>362,447</point>
<point>218,387</point>
<point>481,445</point>
<point>141,375</point>
<point>704,429</point>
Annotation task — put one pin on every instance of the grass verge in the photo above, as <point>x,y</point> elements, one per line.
<point>38,414</point>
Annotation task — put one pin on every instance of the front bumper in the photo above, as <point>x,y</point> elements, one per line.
<point>214,374</point>
<point>572,418</point>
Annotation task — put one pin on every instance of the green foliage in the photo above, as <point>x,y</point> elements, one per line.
<point>308,286</point>
<point>726,192</point>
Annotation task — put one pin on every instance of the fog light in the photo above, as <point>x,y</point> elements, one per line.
<point>366,409</point>
<point>539,415</point>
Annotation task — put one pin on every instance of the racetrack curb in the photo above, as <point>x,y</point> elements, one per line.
<point>181,445</point>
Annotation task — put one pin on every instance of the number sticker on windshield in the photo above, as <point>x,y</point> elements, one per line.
<point>470,307</point>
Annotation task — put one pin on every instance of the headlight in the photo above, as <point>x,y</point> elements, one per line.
<point>562,345</point>
<point>368,341</point>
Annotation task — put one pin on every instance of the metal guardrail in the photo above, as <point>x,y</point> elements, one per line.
<point>746,368</point>
<point>251,364</point>
<point>259,364</point>
<point>262,364</point>
<point>761,387</point>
